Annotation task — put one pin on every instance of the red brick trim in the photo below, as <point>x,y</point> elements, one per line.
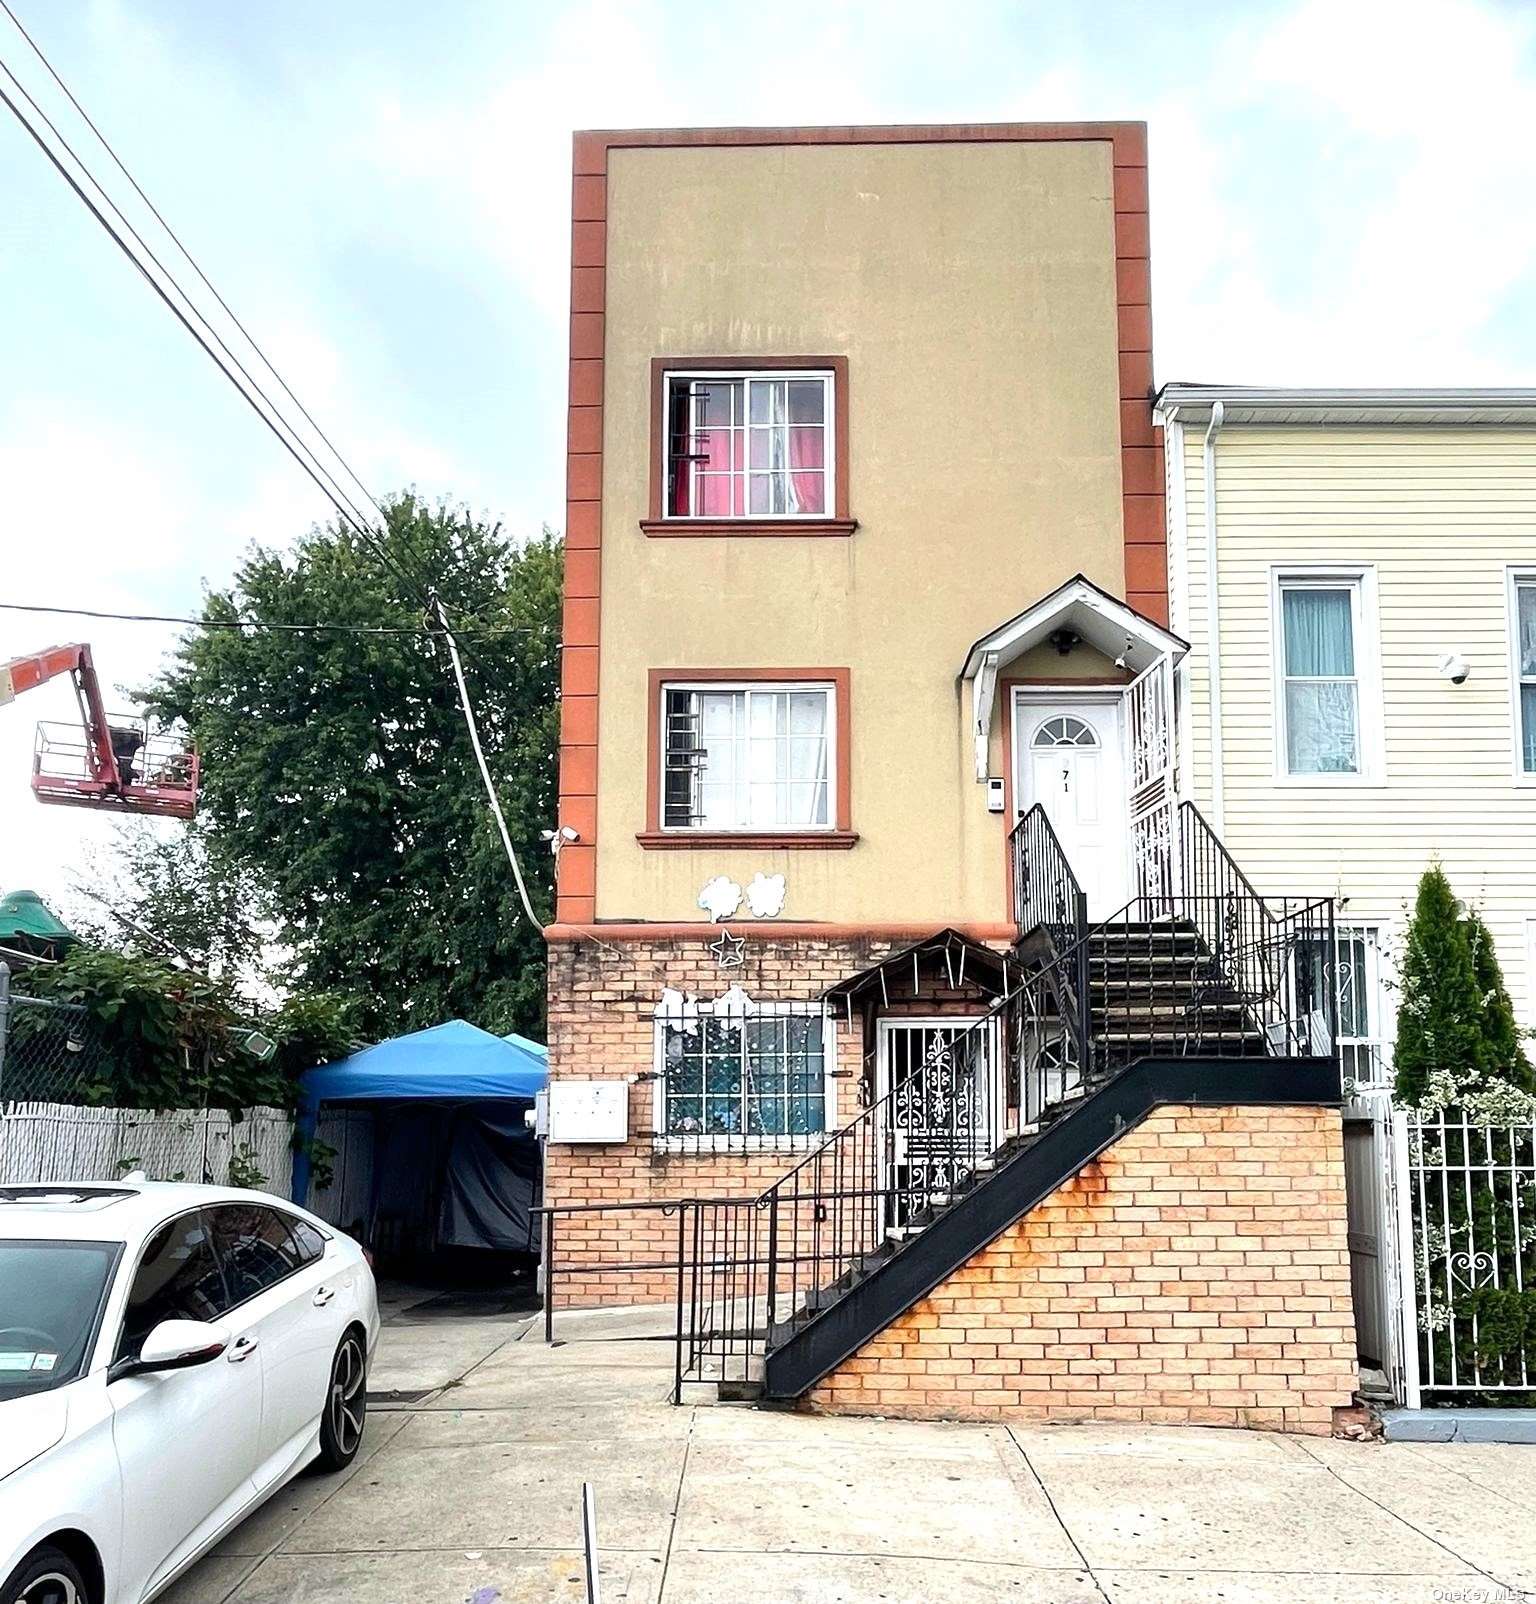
<point>839,523</point>
<point>1141,451</point>
<point>771,930</point>
<point>841,837</point>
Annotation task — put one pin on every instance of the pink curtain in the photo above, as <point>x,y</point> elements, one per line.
<point>806,458</point>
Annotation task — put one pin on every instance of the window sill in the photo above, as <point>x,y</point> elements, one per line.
<point>740,1146</point>
<point>696,528</point>
<point>1331,782</point>
<point>755,840</point>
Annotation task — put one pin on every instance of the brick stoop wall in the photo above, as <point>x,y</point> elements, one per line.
<point>1196,1274</point>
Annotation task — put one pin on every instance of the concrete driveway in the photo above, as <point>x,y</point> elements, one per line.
<point>468,1492</point>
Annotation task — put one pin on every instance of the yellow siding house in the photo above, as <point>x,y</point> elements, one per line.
<point>1361,698</point>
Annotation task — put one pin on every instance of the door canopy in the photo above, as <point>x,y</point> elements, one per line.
<point>1077,609</point>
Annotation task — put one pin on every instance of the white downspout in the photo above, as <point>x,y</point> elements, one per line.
<point>1213,624</point>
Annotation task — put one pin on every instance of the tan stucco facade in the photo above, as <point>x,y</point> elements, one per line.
<point>972,289</point>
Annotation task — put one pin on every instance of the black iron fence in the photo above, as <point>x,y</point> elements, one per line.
<point>1046,893</point>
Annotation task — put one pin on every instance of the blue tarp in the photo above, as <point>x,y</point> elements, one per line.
<point>454,1060</point>
<point>457,1061</point>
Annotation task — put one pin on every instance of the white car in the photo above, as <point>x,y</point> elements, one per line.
<point>169,1356</point>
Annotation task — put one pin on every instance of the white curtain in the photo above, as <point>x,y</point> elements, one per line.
<point>1322,707</point>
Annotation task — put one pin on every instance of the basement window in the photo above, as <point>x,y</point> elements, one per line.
<point>729,1079</point>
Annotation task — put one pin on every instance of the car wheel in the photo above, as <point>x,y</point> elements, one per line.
<point>346,1405</point>
<point>46,1576</point>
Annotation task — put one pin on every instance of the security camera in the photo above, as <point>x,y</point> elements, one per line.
<point>1454,667</point>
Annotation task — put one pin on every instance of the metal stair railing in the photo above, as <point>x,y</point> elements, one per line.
<point>1210,970</point>
<point>1047,896</point>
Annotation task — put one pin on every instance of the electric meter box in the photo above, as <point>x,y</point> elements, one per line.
<point>588,1111</point>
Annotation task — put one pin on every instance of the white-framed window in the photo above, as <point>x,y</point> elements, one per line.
<point>752,444</point>
<point>732,1077</point>
<point>1326,704</point>
<point>1522,640</point>
<point>749,757</point>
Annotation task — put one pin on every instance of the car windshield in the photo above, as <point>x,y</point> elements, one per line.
<point>50,1301</point>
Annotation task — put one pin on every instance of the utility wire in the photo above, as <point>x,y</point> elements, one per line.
<point>276,424</point>
<point>260,623</point>
<point>335,488</point>
<point>324,480</point>
<point>159,290</point>
<point>154,211</point>
<point>485,773</point>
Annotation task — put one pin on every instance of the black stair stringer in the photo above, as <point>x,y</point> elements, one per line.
<point>1004,1196</point>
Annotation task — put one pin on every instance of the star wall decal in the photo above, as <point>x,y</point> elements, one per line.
<point>729,950</point>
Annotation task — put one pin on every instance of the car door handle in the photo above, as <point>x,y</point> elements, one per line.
<point>242,1348</point>
<point>324,1296</point>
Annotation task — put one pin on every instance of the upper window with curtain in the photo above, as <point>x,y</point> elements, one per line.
<point>1523,629</point>
<point>750,445</point>
<point>748,757</point>
<point>1320,701</point>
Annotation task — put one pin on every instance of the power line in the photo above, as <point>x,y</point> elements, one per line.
<point>158,288</point>
<point>276,424</point>
<point>175,238</point>
<point>324,480</point>
<point>334,491</point>
<point>485,772</point>
<point>259,623</point>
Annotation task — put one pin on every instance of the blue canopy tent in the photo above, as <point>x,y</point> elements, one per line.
<point>453,1152</point>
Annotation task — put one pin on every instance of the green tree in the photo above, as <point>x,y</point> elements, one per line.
<point>168,1037</point>
<point>1440,1015</point>
<point>337,770</point>
<point>1502,1036</point>
<point>174,893</point>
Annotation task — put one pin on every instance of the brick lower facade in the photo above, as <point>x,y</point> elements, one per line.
<point>602,999</point>
<point>1196,1274</point>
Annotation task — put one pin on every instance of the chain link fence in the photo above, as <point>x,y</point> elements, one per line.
<point>50,1052</point>
<point>54,1067</point>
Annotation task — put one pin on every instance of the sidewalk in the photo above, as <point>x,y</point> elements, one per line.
<point>471,1495</point>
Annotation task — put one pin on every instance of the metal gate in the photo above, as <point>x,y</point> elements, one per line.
<point>1466,1229</point>
<point>943,1077</point>
<point>1373,1247</point>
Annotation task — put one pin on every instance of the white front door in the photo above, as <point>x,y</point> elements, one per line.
<point>1068,755</point>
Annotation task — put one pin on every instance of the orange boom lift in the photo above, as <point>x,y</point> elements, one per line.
<point>120,762</point>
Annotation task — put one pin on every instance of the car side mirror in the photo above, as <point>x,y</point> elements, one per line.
<point>174,1345</point>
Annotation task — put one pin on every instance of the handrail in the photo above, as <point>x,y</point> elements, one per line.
<point>1045,890</point>
<point>1201,967</point>
<point>1047,895</point>
<point>1208,848</point>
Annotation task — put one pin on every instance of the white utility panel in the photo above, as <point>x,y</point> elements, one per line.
<point>588,1111</point>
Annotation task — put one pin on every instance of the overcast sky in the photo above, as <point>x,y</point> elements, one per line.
<point>1341,193</point>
